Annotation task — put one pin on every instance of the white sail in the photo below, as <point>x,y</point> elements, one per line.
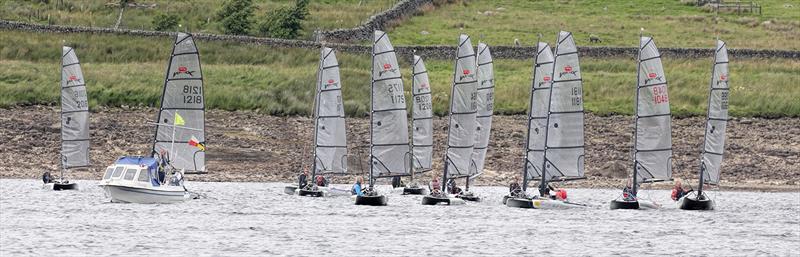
<point>564,146</point>
<point>463,110</point>
<point>74,112</point>
<point>485,103</point>
<point>181,118</point>
<point>653,138</point>
<point>537,112</point>
<point>330,137</point>
<point>390,152</point>
<point>422,117</point>
<point>717,116</point>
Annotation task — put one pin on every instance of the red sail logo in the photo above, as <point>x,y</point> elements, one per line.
<point>652,75</point>
<point>387,66</point>
<point>567,68</point>
<point>183,70</point>
<point>466,72</point>
<point>723,77</point>
<point>546,78</point>
<point>331,83</point>
<point>73,78</point>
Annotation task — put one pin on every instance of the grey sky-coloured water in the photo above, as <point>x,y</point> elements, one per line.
<point>258,219</point>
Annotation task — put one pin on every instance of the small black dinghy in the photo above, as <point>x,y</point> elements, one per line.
<point>652,138</point>
<point>714,139</point>
<point>74,122</point>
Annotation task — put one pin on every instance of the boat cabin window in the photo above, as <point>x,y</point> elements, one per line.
<point>129,174</point>
<point>118,172</point>
<point>108,173</point>
<point>143,177</point>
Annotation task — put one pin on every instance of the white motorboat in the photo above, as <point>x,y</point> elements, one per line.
<point>139,180</point>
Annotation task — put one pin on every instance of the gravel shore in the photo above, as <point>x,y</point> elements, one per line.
<point>761,154</point>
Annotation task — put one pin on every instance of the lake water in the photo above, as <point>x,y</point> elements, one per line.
<point>259,219</point>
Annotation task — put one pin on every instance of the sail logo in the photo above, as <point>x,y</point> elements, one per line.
<point>652,76</point>
<point>73,79</point>
<point>386,68</point>
<point>723,78</point>
<point>545,80</point>
<point>568,70</point>
<point>466,74</point>
<point>491,81</point>
<point>183,70</point>
<point>423,86</point>
<point>331,83</point>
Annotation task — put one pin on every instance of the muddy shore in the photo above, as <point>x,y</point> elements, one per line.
<point>247,146</point>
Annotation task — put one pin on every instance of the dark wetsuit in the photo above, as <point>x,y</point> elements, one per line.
<point>302,181</point>
<point>628,195</point>
<point>514,189</point>
<point>46,178</point>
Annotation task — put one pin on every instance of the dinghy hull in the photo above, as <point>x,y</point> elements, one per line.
<point>632,205</point>
<point>372,200</point>
<point>289,190</point>
<point>58,186</point>
<point>415,191</point>
<point>469,196</point>
<point>310,193</point>
<point>524,203</point>
<point>434,200</point>
<point>694,204</point>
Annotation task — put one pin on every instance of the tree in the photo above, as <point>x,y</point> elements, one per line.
<point>165,22</point>
<point>236,16</point>
<point>285,22</point>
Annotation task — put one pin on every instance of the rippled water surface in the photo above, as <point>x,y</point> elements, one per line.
<point>258,218</point>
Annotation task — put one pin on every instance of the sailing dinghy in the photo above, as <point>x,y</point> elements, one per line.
<point>558,154</point>
<point>652,140</point>
<point>330,137</point>
<point>179,141</point>
<point>483,128</point>
<point>537,119</point>
<point>461,131</point>
<point>74,120</point>
<point>714,139</point>
<point>390,154</point>
<point>421,126</point>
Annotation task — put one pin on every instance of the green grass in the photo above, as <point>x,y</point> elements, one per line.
<point>196,15</point>
<point>617,23</point>
<point>125,70</point>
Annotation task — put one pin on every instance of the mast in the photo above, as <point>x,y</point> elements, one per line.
<point>530,114</point>
<point>413,111</point>
<point>315,113</point>
<point>543,180</point>
<point>371,115</point>
<point>635,183</point>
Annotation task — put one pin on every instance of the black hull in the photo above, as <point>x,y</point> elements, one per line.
<point>624,205</point>
<point>310,193</point>
<point>694,204</point>
<point>58,186</point>
<point>471,198</point>
<point>505,199</point>
<point>375,200</point>
<point>289,190</point>
<point>518,202</point>
<point>414,191</point>
<point>432,200</point>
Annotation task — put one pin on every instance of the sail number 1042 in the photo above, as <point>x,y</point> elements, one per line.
<point>192,94</point>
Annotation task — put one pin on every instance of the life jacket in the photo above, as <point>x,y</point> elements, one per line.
<point>677,193</point>
<point>561,194</point>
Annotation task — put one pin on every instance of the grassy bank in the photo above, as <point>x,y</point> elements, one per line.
<point>124,70</point>
<point>195,15</point>
<point>617,23</point>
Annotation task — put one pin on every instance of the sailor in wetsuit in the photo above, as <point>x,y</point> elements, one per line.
<point>514,189</point>
<point>47,178</point>
<point>302,180</point>
<point>452,188</point>
<point>678,191</point>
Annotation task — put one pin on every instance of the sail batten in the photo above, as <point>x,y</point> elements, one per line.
<point>330,137</point>
<point>564,138</point>
<point>462,112</point>
<point>180,126</point>
<point>653,134</point>
<point>74,112</point>
<point>422,117</point>
<point>485,109</point>
<point>717,117</point>
<point>389,144</point>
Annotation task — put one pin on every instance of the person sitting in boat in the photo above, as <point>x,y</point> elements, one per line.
<point>321,181</point>
<point>452,188</point>
<point>555,194</point>
<point>514,189</point>
<point>357,188</point>
<point>47,178</point>
<point>163,162</point>
<point>177,178</point>
<point>397,182</point>
<point>678,191</point>
<point>302,180</point>
<point>627,192</point>
<point>435,186</point>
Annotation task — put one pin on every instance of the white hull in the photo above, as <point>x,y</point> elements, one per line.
<point>135,194</point>
<point>645,204</point>
<point>329,191</point>
<point>555,204</point>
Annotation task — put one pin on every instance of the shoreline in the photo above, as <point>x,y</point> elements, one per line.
<point>247,146</point>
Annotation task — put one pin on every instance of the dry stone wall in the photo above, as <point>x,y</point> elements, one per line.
<point>428,52</point>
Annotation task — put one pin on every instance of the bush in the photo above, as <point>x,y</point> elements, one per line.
<point>165,22</point>
<point>236,16</point>
<point>285,22</point>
